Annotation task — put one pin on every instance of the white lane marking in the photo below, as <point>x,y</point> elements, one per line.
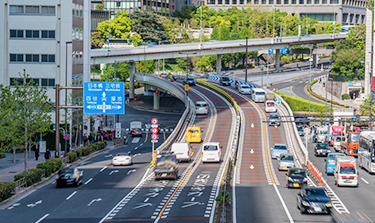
<point>365,180</point>
<point>34,204</point>
<point>146,200</point>
<point>143,205</point>
<point>283,203</point>
<point>110,155</point>
<point>131,171</point>
<point>94,200</point>
<point>113,171</point>
<point>103,169</point>
<point>70,196</point>
<point>14,205</point>
<point>88,181</point>
<point>136,148</point>
<point>42,218</point>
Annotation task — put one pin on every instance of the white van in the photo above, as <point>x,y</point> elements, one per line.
<point>201,108</point>
<point>244,89</point>
<point>258,95</point>
<point>211,152</point>
<point>182,151</point>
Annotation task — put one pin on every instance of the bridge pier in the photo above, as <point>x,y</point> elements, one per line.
<point>156,101</point>
<point>314,56</point>
<point>277,61</point>
<point>218,64</point>
<point>131,79</point>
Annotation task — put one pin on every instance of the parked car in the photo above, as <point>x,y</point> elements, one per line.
<point>273,119</point>
<point>225,81</point>
<point>314,200</point>
<point>322,149</point>
<point>190,81</point>
<point>296,178</point>
<point>286,161</point>
<point>69,176</point>
<point>244,89</point>
<point>122,159</point>
<point>201,108</point>
<point>193,134</point>
<point>277,150</point>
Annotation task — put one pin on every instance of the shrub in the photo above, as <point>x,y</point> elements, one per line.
<point>72,156</point>
<point>50,166</point>
<point>6,189</point>
<point>32,176</point>
<point>2,155</point>
<point>301,105</point>
<point>345,96</point>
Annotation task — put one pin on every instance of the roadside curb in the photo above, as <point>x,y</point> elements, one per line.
<point>45,179</point>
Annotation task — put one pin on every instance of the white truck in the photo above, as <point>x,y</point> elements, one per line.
<point>182,151</point>
<point>321,134</point>
<point>346,173</point>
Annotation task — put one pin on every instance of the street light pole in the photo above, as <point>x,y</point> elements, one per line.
<point>310,83</point>
<point>273,27</point>
<point>331,79</point>
<point>247,38</point>
<point>326,82</point>
<point>66,91</point>
<point>187,63</point>
<point>281,29</point>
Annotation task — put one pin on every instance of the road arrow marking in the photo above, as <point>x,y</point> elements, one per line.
<point>251,151</point>
<point>152,194</point>
<point>35,204</point>
<point>94,200</point>
<point>143,205</point>
<point>131,171</point>
<point>252,125</point>
<point>191,203</point>
<point>252,167</point>
<point>197,193</point>
<point>14,205</point>
<point>137,154</point>
<point>113,171</point>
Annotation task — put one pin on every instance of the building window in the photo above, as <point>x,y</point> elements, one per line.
<point>270,2</point>
<point>16,33</point>
<point>32,9</point>
<point>14,81</point>
<point>301,2</point>
<point>16,58</point>
<point>32,58</point>
<point>16,9</point>
<point>334,1</point>
<point>48,10</point>
<point>48,58</point>
<point>308,2</point>
<point>324,1</point>
<point>278,2</point>
<point>118,4</point>
<point>264,2</point>
<point>48,34</point>
<point>294,2</point>
<point>286,2</point>
<point>48,82</point>
<point>316,2</point>
<point>256,2</point>
<point>33,34</point>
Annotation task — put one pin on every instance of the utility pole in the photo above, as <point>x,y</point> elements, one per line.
<point>247,38</point>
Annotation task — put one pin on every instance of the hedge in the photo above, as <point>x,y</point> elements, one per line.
<point>302,105</point>
<point>84,151</point>
<point>50,166</point>
<point>6,189</point>
<point>32,176</point>
<point>2,155</point>
<point>345,96</point>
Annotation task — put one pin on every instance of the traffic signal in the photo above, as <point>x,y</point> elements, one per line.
<point>156,91</point>
<point>135,99</point>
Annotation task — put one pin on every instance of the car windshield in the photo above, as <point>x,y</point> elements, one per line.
<point>260,93</point>
<point>322,132</point>
<point>322,146</point>
<point>193,131</point>
<point>354,137</point>
<point>297,173</point>
<point>245,87</point>
<point>274,117</point>
<point>225,79</point>
<point>171,158</point>
<point>65,171</point>
<point>339,139</point>
<point>270,104</point>
<point>286,157</point>
<point>280,147</point>
<point>210,148</point>
<point>300,129</point>
<point>332,156</point>
<point>311,192</point>
<point>190,79</point>
<point>334,135</point>
<point>347,170</point>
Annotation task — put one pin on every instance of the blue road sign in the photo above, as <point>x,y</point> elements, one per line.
<point>103,98</point>
<point>270,50</point>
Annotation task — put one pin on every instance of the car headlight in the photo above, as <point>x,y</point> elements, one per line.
<point>304,179</point>
<point>305,203</point>
<point>328,205</point>
<point>290,179</point>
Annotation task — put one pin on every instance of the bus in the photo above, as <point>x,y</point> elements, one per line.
<point>258,95</point>
<point>346,29</point>
<point>366,157</point>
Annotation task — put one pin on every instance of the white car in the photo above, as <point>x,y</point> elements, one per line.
<point>244,89</point>
<point>211,152</point>
<point>122,159</point>
<point>201,108</point>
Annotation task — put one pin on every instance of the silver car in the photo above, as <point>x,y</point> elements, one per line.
<point>278,149</point>
<point>286,161</point>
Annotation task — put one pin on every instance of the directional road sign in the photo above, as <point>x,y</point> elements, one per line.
<point>154,130</point>
<point>154,121</point>
<point>103,98</point>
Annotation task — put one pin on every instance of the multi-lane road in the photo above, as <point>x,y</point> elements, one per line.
<point>130,194</point>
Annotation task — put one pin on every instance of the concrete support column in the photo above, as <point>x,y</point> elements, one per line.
<point>218,64</point>
<point>131,79</point>
<point>156,101</point>
<point>277,61</point>
<point>314,56</point>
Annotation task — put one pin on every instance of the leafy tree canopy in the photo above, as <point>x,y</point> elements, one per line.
<point>186,12</point>
<point>148,25</point>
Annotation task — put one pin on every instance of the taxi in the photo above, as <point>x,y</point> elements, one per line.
<point>193,134</point>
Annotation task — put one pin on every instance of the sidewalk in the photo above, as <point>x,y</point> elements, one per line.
<point>321,91</point>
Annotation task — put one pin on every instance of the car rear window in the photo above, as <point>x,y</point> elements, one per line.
<point>245,87</point>
<point>225,79</point>
<point>260,93</point>
<point>193,131</point>
<point>210,148</point>
<point>280,147</point>
<point>286,157</point>
<point>201,105</point>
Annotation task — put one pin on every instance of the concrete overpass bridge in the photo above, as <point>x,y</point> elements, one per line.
<point>154,52</point>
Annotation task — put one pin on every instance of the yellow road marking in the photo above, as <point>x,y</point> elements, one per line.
<point>146,137</point>
<point>164,136</point>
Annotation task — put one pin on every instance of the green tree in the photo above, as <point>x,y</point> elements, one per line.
<point>148,25</point>
<point>185,13</point>
<point>99,7</point>
<point>24,110</point>
<point>97,40</point>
